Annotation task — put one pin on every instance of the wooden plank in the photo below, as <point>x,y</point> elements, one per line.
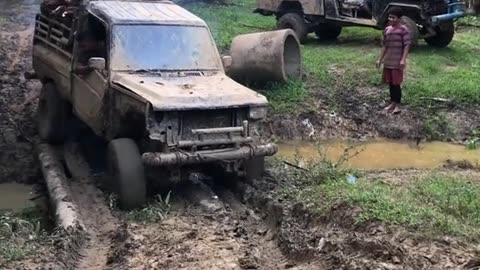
<point>66,211</point>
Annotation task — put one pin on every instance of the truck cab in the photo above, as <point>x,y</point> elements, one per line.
<point>147,77</point>
<point>431,20</point>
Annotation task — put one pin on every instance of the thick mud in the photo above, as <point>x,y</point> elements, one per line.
<point>17,95</point>
<point>208,229</point>
<point>99,222</point>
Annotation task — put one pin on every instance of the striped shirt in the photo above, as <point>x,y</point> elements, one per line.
<point>395,39</point>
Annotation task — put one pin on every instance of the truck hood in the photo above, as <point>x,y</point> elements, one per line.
<point>190,92</point>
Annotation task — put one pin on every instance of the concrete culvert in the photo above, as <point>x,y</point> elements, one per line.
<point>266,56</point>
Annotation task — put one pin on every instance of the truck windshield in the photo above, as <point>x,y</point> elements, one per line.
<point>162,47</point>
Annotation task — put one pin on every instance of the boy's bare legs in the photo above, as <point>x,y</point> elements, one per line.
<point>396,108</point>
<point>397,97</point>
<point>391,105</point>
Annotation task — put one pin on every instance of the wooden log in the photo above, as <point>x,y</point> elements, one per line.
<point>66,214</point>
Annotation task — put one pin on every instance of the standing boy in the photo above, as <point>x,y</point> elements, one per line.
<point>395,47</point>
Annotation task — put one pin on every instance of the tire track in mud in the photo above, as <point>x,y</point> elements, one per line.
<point>209,228</point>
<point>23,45</point>
<point>18,96</point>
<point>93,210</point>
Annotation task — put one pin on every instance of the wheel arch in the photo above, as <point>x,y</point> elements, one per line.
<point>289,6</point>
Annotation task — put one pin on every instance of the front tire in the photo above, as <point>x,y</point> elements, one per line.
<point>443,37</point>
<point>295,22</point>
<point>52,115</point>
<point>126,175</point>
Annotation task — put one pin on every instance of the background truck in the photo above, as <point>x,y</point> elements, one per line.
<point>431,20</point>
<point>146,77</point>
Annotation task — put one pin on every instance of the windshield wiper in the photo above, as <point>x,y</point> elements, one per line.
<point>146,71</point>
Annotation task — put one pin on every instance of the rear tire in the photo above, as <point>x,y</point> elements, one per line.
<point>126,175</point>
<point>52,115</point>
<point>412,28</point>
<point>295,22</point>
<point>328,32</point>
<point>443,37</point>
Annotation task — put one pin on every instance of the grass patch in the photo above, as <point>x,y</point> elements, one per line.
<point>474,142</point>
<point>228,21</point>
<point>19,234</point>
<point>433,206</point>
<point>437,127</point>
<point>285,98</point>
<point>470,21</point>
<point>349,63</point>
<point>154,212</point>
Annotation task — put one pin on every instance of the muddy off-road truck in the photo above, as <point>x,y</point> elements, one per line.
<point>156,91</point>
<point>431,20</point>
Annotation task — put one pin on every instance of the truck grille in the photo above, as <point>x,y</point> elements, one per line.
<point>205,119</point>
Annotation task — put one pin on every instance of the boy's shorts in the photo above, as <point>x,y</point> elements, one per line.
<point>393,76</point>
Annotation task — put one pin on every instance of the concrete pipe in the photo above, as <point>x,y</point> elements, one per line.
<point>266,56</point>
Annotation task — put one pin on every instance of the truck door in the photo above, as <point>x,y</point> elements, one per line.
<point>89,85</point>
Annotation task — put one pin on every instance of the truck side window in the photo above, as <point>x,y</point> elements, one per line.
<point>91,42</point>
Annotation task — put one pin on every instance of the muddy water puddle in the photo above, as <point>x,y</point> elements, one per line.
<point>15,197</point>
<point>383,154</point>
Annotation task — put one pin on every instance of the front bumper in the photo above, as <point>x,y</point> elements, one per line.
<point>455,10</point>
<point>206,156</point>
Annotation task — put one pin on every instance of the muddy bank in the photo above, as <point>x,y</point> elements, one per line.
<point>357,114</point>
<point>335,238</point>
<point>17,95</point>
<point>244,226</point>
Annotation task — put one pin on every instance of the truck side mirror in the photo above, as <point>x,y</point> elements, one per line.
<point>96,63</point>
<point>227,62</point>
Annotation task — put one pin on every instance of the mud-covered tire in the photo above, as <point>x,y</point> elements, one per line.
<point>254,168</point>
<point>443,37</point>
<point>52,115</point>
<point>126,175</point>
<point>412,28</point>
<point>295,22</point>
<point>328,32</point>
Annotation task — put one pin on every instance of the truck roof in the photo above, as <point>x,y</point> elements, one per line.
<point>145,12</point>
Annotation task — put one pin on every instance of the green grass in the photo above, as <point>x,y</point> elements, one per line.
<point>473,142</point>
<point>19,234</point>
<point>349,63</point>
<point>433,206</point>
<point>437,127</point>
<point>153,212</point>
<point>286,98</point>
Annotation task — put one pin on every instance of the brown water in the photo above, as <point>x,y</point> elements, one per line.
<point>15,197</point>
<point>384,154</point>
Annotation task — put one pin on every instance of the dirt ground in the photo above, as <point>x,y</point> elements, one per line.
<point>17,95</point>
<point>206,232</point>
<point>215,226</point>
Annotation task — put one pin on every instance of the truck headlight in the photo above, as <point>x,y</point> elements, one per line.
<point>257,113</point>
